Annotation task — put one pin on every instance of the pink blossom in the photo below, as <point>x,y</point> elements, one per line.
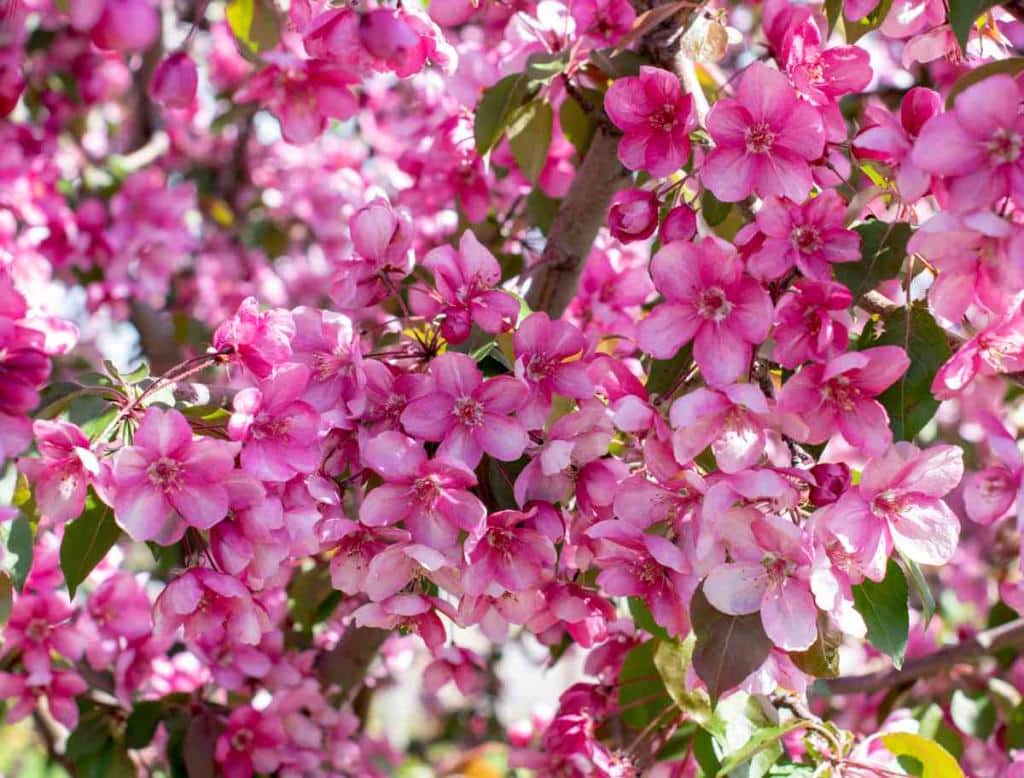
<point>251,742</point>
<point>470,416</point>
<point>765,139</point>
<point>839,396</point>
<point>633,215</point>
<point>708,299</point>
<point>466,668</point>
<point>38,625</point>
<point>60,477</point>
<point>898,502</point>
<point>990,493</point>
<point>731,420</point>
<point>771,575</point>
<point>809,237</point>
<point>279,431</point>
<point>656,119</point>
<point>636,564</point>
<point>261,340</point>
<point>978,147</point>
<point>503,555</point>
<point>175,81</point>
<point>328,344</point>
<point>890,140</point>
<point>999,348</point>
<point>60,690</point>
<point>212,605</point>
<point>548,360</point>
<point>812,322</point>
<point>679,224</point>
<point>125,25</point>
<point>120,608</point>
<point>603,20</point>
<point>404,40</point>
<point>411,612</point>
<point>168,480</point>
<point>465,281</point>
<point>432,497</point>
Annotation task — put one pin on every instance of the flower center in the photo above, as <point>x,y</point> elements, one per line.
<point>807,239</point>
<point>38,630</point>
<point>242,740</point>
<point>839,392</point>
<point>664,119</point>
<point>165,474</point>
<point>469,411</point>
<point>887,504</point>
<point>759,138</point>
<point>714,305</point>
<point>539,367</point>
<point>426,489</point>
<point>777,570</point>
<point>1004,146</point>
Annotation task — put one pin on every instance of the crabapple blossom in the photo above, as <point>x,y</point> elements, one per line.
<point>60,476</point>
<point>547,360</point>
<point>175,81</point>
<point>169,480</point>
<point>709,300</point>
<point>656,119</point>
<point>731,420</point>
<point>210,604</point>
<point>633,215</point>
<point>507,555</point>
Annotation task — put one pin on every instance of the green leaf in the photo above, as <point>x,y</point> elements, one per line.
<point>6,598</point>
<point>529,136</point>
<point>963,14</point>
<point>495,110</point>
<point>254,24</point>
<point>713,210</point>
<point>642,695</point>
<point>704,752</point>
<point>541,211</point>
<point>728,648</point>
<point>973,713</point>
<point>643,618</point>
<point>909,402</point>
<point>86,541</point>
<point>577,126</point>
<point>833,10</point>
<point>89,737</point>
<point>935,760</point>
<point>673,659</point>
<point>142,723</point>
<point>822,659</point>
<point>762,739</point>
<point>16,541</point>
<point>921,587</point>
<point>543,67</point>
<point>860,28</point>
<point>666,373</point>
<point>883,248</point>
<point>883,605</point>
<point>933,726</point>
<point>1010,67</point>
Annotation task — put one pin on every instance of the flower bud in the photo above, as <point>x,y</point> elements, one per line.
<point>633,215</point>
<point>830,481</point>
<point>126,25</point>
<point>175,81</point>
<point>679,224</point>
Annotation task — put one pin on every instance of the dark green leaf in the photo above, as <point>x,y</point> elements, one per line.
<point>713,210</point>
<point>142,723</point>
<point>16,541</point>
<point>576,124</point>
<point>1011,67</point>
<point>541,211</point>
<point>762,739</point>
<point>822,659</point>
<point>973,713</point>
<point>921,588</point>
<point>644,620</point>
<point>883,248</point>
<point>496,109</point>
<point>89,737</point>
<point>542,68</point>
<point>86,541</point>
<point>833,10</point>
<point>884,607</point>
<point>529,136</point>
<point>667,373</point>
<point>642,695</point>
<point>729,648</point>
<point>1015,728</point>
<point>963,14</point>
<point>909,402</point>
<point>254,24</point>
<point>704,752</point>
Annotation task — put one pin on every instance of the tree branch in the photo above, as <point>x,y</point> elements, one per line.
<point>982,645</point>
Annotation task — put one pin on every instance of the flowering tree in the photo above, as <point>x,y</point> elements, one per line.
<point>681,338</point>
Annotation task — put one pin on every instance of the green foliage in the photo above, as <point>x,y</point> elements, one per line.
<point>16,541</point>
<point>666,373</point>
<point>254,24</point>
<point>642,694</point>
<point>973,713</point>
<point>935,761</point>
<point>857,30</point>
<point>728,648</point>
<point>920,586</point>
<point>86,541</point>
<point>673,659</point>
<point>495,110</point>
<point>529,135</point>
<point>909,402</point>
<point>644,620</point>
<point>883,247</point>
<point>576,124</point>
<point>822,659</point>
<point>963,14</point>
<point>883,605</point>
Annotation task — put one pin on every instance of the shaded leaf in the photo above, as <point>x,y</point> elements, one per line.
<point>642,695</point>
<point>529,136</point>
<point>199,745</point>
<point>577,126</point>
<point>254,25</point>
<point>16,549</point>
<point>495,110</point>
<point>704,752</point>
<point>921,587</point>
<point>860,28</point>
<point>142,723</point>
<point>728,648</point>
<point>833,10</point>
<point>963,14</point>
<point>86,541</point>
<point>713,210</point>
<point>883,605</point>
<point>822,659</point>
<point>762,739</point>
<point>973,713</point>
<point>666,373</point>
<point>909,402</point>
<point>541,211</point>
<point>643,618</point>
<point>883,247</point>
<point>6,598</point>
<point>673,659</point>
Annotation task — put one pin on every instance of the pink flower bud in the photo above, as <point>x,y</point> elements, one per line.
<point>831,481</point>
<point>679,224</point>
<point>175,81</point>
<point>389,38</point>
<point>126,25</point>
<point>633,215</point>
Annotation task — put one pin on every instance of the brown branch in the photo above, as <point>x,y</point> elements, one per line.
<point>982,645</point>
